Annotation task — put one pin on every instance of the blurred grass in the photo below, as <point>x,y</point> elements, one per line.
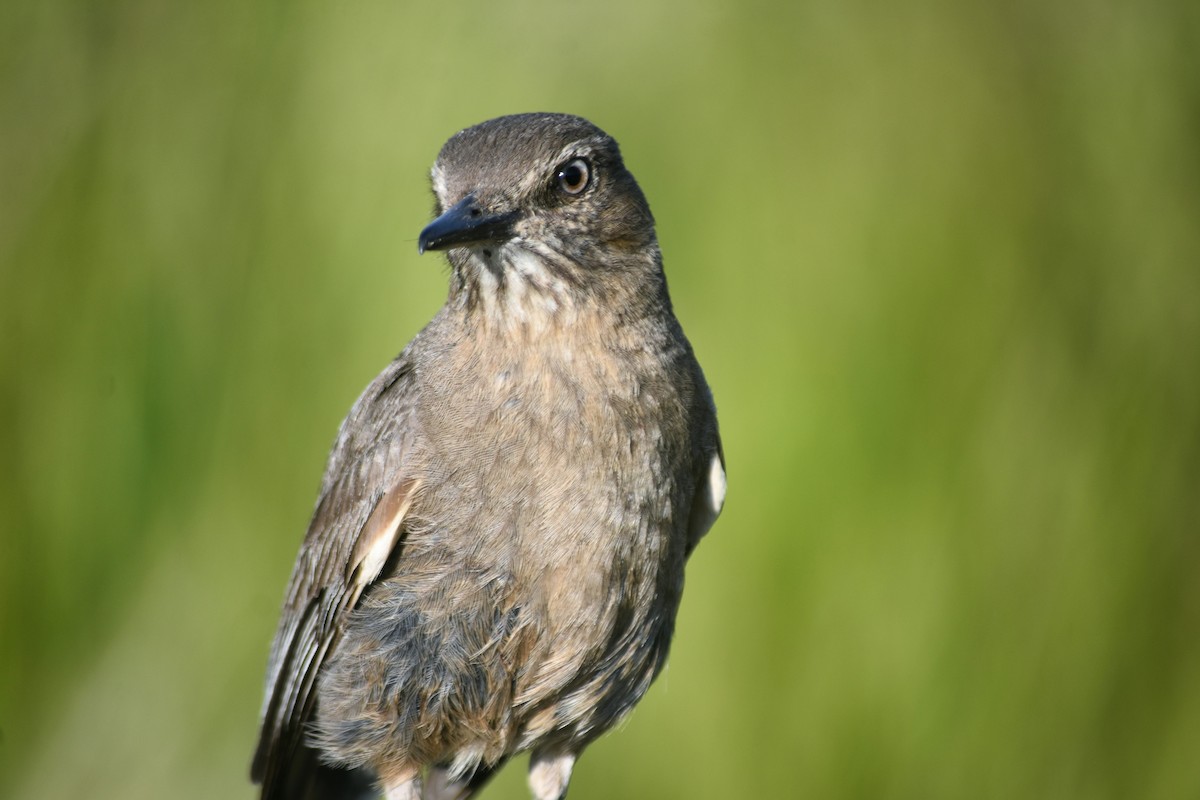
<point>941,262</point>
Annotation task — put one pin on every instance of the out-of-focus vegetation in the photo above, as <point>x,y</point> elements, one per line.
<point>941,262</point>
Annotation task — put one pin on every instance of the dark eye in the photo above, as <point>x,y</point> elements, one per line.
<point>573,176</point>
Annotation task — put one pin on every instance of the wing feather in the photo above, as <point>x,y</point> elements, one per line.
<point>357,524</point>
<point>710,494</point>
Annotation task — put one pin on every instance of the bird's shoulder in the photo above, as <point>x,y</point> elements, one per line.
<point>381,418</point>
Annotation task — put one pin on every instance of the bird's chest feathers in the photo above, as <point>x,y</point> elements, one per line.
<point>558,395</point>
<point>566,466</point>
<point>563,433</point>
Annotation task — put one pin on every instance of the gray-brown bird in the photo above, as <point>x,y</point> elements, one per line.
<point>497,552</point>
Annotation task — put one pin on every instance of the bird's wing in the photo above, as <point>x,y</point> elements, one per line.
<point>708,463</point>
<point>709,498</point>
<point>358,521</point>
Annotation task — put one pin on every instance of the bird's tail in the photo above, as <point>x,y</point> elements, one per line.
<point>304,777</point>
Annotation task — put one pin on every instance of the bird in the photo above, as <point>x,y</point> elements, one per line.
<point>496,555</point>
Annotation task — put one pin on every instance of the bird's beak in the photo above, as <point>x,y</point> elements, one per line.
<point>466,223</point>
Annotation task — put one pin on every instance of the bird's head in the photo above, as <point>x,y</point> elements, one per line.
<point>537,212</point>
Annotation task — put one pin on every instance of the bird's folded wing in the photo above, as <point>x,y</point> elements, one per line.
<point>709,498</point>
<point>357,524</point>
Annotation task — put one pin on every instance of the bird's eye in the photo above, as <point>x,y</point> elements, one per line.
<point>573,177</point>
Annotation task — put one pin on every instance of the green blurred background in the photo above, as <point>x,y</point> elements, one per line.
<point>941,263</point>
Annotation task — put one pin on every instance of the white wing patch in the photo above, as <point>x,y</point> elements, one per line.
<point>716,485</point>
<point>709,500</point>
<point>379,536</point>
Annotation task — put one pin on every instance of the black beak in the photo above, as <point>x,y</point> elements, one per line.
<point>466,223</point>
